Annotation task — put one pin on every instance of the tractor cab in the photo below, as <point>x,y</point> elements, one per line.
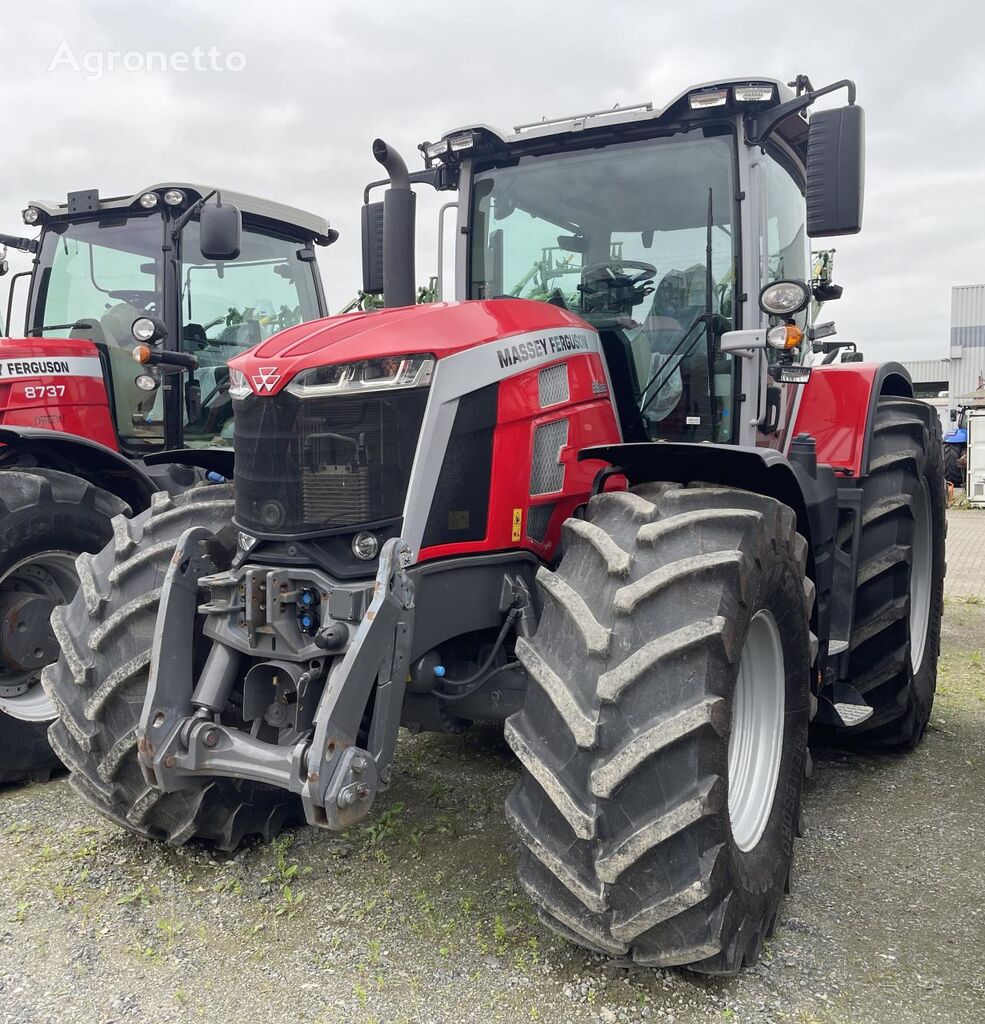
<point>661,228</point>
<point>102,264</point>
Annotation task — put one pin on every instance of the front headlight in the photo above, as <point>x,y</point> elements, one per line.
<point>384,374</point>
<point>239,386</point>
<point>784,298</point>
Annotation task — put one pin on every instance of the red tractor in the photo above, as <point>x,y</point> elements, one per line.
<point>85,432</point>
<point>457,512</point>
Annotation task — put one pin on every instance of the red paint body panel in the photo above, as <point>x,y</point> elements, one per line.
<point>38,400</point>
<point>834,410</point>
<point>591,420</point>
<point>441,328</point>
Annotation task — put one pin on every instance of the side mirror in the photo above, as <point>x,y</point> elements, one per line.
<point>372,227</point>
<point>954,415</point>
<point>220,230</point>
<point>835,171</point>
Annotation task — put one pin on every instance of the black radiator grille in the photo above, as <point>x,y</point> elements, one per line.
<point>324,463</point>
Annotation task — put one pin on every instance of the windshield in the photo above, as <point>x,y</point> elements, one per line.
<point>98,276</point>
<point>638,239</point>
<point>94,273</point>
<point>227,308</point>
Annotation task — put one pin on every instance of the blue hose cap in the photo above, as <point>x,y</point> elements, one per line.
<point>215,478</point>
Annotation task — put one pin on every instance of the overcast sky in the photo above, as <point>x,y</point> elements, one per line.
<point>322,80</point>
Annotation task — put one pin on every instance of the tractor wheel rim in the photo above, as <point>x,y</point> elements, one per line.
<point>756,741</point>
<point>921,574</point>
<point>50,574</point>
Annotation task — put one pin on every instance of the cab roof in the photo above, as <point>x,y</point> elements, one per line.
<point>296,221</point>
<point>634,115</point>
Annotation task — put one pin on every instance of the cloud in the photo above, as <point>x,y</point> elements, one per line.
<point>321,81</point>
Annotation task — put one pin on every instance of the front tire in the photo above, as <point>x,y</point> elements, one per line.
<point>660,785</point>
<point>47,518</point>
<point>98,684</point>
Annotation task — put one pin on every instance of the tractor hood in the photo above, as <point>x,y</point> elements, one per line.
<point>441,329</point>
<point>32,358</point>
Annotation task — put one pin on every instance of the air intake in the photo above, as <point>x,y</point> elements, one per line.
<point>552,384</point>
<point>546,470</point>
<point>538,519</point>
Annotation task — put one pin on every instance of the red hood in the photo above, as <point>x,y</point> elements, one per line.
<point>441,328</point>
<point>44,348</point>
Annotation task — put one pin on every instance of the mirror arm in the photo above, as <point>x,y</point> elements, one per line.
<point>759,127</point>
<point>195,207</point>
<point>20,244</point>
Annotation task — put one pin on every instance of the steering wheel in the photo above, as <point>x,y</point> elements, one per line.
<point>142,298</point>
<point>646,270</point>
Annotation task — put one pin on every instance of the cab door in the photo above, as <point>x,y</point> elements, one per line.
<point>777,182</point>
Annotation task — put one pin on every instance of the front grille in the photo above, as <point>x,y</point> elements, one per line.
<point>311,465</point>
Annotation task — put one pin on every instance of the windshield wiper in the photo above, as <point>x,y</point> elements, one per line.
<point>702,318</point>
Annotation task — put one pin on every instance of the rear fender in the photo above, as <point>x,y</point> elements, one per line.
<point>69,453</point>
<point>838,410</point>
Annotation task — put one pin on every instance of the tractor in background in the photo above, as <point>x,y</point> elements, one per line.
<point>86,433</point>
<point>956,440</point>
<point>607,497</point>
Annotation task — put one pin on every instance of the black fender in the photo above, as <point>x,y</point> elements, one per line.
<point>88,459</point>
<point>810,490</point>
<point>890,379</point>
<point>212,460</point>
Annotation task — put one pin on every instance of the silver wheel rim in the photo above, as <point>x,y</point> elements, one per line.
<point>921,574</point>
<point>51,573</point>
<point>756,742</point>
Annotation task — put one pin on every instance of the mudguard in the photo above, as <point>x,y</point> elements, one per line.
<point>70,453</point>
<point>837,409</point>
<point>212,460</point>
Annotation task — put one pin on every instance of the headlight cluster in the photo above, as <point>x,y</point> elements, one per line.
<point>363,376</point>
<point>239,386</point>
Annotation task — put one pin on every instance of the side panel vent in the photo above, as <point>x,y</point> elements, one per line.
<point>538,519</point>
<point>546,471</point>
<point>552,384</point>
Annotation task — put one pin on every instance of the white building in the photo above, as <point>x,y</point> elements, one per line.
<point>962,374</point>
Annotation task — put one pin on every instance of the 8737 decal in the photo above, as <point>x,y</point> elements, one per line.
<point>40,391</point>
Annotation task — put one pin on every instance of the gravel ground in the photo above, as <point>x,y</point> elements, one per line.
<point>417,917</point>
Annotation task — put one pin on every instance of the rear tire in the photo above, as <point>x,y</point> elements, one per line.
<point>99,681</point>
<point>46,519</point>
<point>952,471</point>
<point>652,827</point>
<point>899,597</point>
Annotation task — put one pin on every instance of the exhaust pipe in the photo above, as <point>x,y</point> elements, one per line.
<point>399,203</point>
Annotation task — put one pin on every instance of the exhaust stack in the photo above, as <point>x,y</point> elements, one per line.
<point>399,203</point>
